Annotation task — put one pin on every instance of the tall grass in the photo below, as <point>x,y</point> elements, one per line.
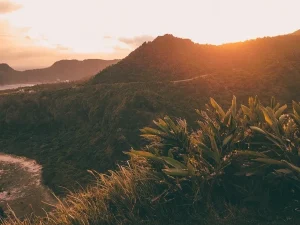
<point>134,194</point>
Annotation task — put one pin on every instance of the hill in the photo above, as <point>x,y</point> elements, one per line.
<point>4,68</point>
<point>59,71</point>
<point>164,59</point>
<point>264,61</point>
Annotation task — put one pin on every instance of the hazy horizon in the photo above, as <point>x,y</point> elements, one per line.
<point>51,63</point>
<point>35,34</point>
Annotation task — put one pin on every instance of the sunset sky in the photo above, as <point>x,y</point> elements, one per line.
<point>35,33</point>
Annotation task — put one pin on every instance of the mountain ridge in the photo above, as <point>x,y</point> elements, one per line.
<point>168,58</point>
<point>297,32</point>
<point>59,70</point>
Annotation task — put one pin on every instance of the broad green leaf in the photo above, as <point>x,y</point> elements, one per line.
<point>227,139</point>
<point>213,143</point>
<point>296,118</point>
<point>246,110</point>
<point>227,117</point>
<point>256,100</point>
<point>217,108</point>
<point>269,161</point>
<point>170,123</point>
<point>279,112</point>
<point>176,172</point>
<point>276,140</point>
<point>267,116</point>
<point>251,101</point>
<point>203,146</point>
<point>250,153</point>
<point>152,131</point>
<point>143,154</point>
<point>214,129</point>
<point>273,102</point>
<point>274,124</point>
<point>291,166</point>
<point>257,129</point>
<point>276,107</point>
<point>162,125</point>
<point>296,108</point>
<point>173,162</point>
<point>285,171</point>
<point>233,106</point>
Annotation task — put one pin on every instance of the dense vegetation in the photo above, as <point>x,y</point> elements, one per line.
<point>70,128</point>
<point>75,128</point>
<point>239,166</point>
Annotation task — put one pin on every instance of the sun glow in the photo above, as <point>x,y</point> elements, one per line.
<point>99,27</point>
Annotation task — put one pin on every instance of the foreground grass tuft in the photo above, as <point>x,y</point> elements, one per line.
<point>133,195</point>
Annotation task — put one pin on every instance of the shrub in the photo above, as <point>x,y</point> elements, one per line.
<point>246,154</point>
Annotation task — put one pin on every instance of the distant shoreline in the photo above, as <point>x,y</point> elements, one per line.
<point>15,86</point>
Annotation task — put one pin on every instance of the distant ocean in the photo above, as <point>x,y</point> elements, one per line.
<point>14,86</point>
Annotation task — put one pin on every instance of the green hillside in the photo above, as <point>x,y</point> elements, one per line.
<point>73,129</point>
<point>168,58</point>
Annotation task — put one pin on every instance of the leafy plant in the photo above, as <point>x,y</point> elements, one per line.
<point>250,141</point>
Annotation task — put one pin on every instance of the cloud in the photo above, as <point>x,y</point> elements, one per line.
<point>21,51</point>
<point>62,48</point>
<point>136,41</point>
<point>7,6</point>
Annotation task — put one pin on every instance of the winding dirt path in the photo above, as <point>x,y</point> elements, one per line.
<point>190,79</point>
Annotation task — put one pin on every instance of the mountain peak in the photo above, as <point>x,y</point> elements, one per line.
<point>165,58</point>
<point>64,62</point>
<point>170,38</point>
<point>5,67</point>
<point>165,36</point>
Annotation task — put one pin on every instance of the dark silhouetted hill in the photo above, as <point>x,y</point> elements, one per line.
<point>165,58</point>
<point>59,71</point>
<point>4,68</point>
<point>271,61</point>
